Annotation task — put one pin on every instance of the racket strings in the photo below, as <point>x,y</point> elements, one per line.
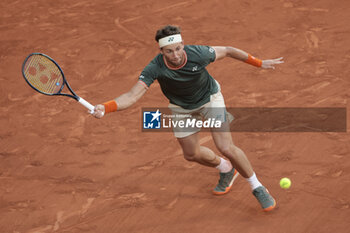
<point>43,74</point>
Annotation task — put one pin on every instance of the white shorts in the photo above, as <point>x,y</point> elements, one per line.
<point>214,109</point>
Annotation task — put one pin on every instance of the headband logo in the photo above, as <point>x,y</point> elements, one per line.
<point>172,39</point>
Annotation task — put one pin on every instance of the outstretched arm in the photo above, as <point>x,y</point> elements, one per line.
<point>222,51</point>
<point>122,102</point>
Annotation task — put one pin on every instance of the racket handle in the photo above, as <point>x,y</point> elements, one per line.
<point>87,105</point>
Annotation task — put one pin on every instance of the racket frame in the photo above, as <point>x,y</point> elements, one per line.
<point>74,96</point>
<point>65,82</point>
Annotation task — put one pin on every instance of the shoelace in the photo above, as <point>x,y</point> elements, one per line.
<point>263,195</point>
<point>222,180</point>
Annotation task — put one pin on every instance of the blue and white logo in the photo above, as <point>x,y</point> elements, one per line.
<point>151,120</point>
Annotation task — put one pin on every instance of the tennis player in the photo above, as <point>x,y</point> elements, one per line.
<point>181,72</point>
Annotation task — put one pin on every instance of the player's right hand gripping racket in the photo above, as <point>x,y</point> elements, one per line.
<point>44,75</point>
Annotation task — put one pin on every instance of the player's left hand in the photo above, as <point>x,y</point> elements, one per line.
<point>270,64</point>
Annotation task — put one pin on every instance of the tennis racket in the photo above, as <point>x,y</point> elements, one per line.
<point>45,76</point>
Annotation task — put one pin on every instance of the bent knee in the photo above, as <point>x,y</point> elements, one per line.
<point>190,156</point>
<point>227,149</point>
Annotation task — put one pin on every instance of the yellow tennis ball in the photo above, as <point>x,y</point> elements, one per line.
<point>285,183</point>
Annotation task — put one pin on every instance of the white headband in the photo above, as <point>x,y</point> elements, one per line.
<point>170,40</point>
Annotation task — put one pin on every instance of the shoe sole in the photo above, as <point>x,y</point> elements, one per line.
<point>271,207</point>
<point>235,175</point>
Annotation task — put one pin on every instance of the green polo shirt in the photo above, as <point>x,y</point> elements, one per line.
<point>189,86</point>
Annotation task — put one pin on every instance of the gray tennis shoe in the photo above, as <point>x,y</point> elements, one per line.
<point>264,198</point>
<point>225,182</point>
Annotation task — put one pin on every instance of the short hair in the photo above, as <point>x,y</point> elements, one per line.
<point>167,31</point>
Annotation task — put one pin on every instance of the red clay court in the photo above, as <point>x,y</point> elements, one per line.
<point>63,171</point>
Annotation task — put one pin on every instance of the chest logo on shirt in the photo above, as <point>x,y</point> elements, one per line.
<point>195,68</point>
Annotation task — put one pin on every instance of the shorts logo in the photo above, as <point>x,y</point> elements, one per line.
<point>151,120</point>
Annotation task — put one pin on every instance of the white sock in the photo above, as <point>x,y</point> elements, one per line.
<point>224,166</point>
<point>253,181</point>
